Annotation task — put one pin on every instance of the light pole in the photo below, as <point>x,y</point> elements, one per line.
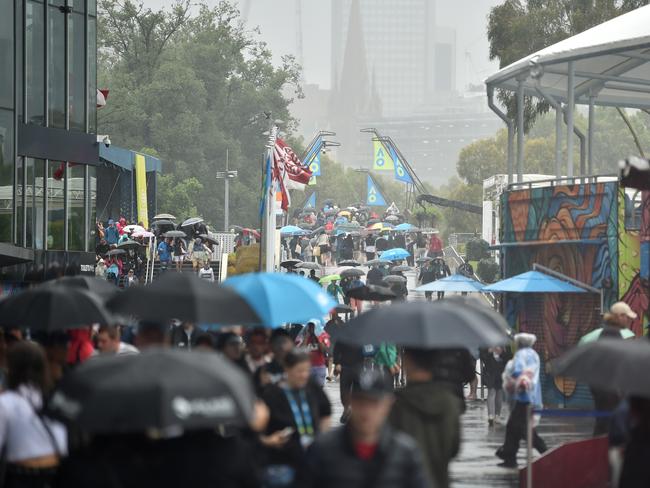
<point>226,176</point>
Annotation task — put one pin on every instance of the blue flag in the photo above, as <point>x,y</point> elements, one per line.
<point>311,201</point>
<point>314,164</point>
<point>401,174</point>
<point>374,198</point>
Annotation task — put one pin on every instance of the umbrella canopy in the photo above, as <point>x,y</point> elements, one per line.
<point>395,254</point>
<point>292,230</point>
<point>184,296</point>
<point>392,218</point>
<point>425,325</point>
<point>329,278</point>
<point>594,335</point>
<point>101,288</point>
<point>157,389</point>
<point>609,364</point>
<point>164,216</point>
<point>116,252</point>
<point>390,279</point>
<point>425,259</point>
<point>175,233</point>
<point>209,239</point>
<point>280,298</point>
<point>454,283</point>
<point>163,223</point>
<point>406,227</point>
<point>351,272</point>
<point>129,244</point>
<point>53,307</point>
<point>290,263</point>
<point>350,262</point>
<point>533,282</point>
<point>400,269</point>
<point>146,234</point>
<point>192,221</point>
<point>134,228</point>
<point>308,265</point>
<point>374,262</point>
<point>373,293</point>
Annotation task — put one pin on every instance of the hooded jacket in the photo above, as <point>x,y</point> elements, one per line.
<point>430,414</point>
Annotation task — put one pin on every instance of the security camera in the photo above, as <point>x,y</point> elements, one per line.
<point>104,139</point>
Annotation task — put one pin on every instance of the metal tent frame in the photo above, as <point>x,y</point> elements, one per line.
<point>607,65</point>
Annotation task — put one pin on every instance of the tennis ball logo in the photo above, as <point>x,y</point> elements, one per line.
<point>380,159</point>
<point>314,167</point>
<point>400,171</point>
<point>372,195</point>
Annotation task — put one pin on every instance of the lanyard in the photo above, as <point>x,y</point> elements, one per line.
<point>302,418</point>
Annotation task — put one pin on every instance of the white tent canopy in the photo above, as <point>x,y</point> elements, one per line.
<point>611,63</point>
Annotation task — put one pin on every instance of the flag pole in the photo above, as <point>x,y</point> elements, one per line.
<point>268,229</point>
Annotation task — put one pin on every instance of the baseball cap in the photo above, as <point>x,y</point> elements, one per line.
<point>622,308</point>
<point>370,383</point>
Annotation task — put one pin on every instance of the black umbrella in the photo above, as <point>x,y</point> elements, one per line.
<point>350,262</point>
<point>343,308</point>
<point>101,288</point>
<point>184,296</point>
<point>429,326</point>
<point>209,239</point>
<point>191,221</point>
<point>164,216</point>
<point>400,269</point>
<point>290,263</point>
<point>51,308</point>
<point>116,252</point>
<point>371,293</point>
<point>128,244</point>
<point>174,233</point>
<point>308,265</point>
<point>351,272</point>
<point>609,364</point>
<point>394,279</point>
<point>373,262</point>
<point>158,389</point>
<point>423,260</point>
<point>163,223</point>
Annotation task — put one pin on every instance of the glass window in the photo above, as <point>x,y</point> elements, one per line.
<point>77,72</point>
<point>92,188</point>
<point>56,68</point>
<point>55,210</point>
<point>6,53</point>
<point>76,211</point>
<point>34,61</point>
<point>92,72</point>
<point>6,173</point>
<point>34,202</point>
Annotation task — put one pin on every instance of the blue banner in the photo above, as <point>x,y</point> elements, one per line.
<point>311,201</point>
<point>374,197</point>
<point>401,174</point>
<point>314,164</point>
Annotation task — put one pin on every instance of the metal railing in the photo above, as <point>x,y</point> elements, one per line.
<point>565,180</point>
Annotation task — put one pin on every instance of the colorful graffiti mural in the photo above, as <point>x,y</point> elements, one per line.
<point>578,230</point>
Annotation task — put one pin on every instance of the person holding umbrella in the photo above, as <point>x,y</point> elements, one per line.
<point>522,381</point>
<point>493,362</point>
<point>318,345</point>
<point>335,290</point>
<point>427,275</point>
<point>33,444</point>
<point>299,410</point>
<point>180,250</point>
<point>165,253</point>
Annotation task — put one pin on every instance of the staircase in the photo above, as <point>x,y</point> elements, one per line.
<point>186,268</point>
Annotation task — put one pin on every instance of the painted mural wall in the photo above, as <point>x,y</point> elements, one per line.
<point>580,231</point>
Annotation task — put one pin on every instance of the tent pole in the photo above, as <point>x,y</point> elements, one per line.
<point>558,141</point>
<point>520,129</point>
<point>571,103</point>
<point>590,139</point>
<point>511,130</point>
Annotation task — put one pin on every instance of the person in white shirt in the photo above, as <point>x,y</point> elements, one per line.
<point>33,443</point>
<point>206,272</point>
<point>108,342</point>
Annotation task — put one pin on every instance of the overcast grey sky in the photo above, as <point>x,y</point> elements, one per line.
<point>277,19</point>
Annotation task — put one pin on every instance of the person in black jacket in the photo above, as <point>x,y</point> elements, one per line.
<point>184,336</point>
<point>366,452</point>
<point>493,362</point>
<point>453,368</point>
<point>427,275</point>
<point>347,360</point>
<point>374,276</point>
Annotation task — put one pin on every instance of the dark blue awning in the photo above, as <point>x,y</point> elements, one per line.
<point>125,158</point>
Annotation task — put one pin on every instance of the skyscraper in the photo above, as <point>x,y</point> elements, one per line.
<point>410,61</point>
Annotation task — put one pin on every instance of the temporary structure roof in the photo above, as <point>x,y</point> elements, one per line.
<point>611,63</point>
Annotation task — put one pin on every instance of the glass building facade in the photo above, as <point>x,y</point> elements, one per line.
<point>48,120</point>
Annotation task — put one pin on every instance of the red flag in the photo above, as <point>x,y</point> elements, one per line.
<point>288,171</point>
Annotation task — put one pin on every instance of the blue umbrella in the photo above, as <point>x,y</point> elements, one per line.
<point>395,254</point>
<point>292,230</point>
<point>453,283</point>
<point>405,227</point>
<point>533,282</point>
<point>280,298</point>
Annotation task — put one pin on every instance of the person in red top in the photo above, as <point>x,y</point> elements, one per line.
<point>120,225</point>
<point>435,246</point>
<point>80,347</point>
<point>317,344</point>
